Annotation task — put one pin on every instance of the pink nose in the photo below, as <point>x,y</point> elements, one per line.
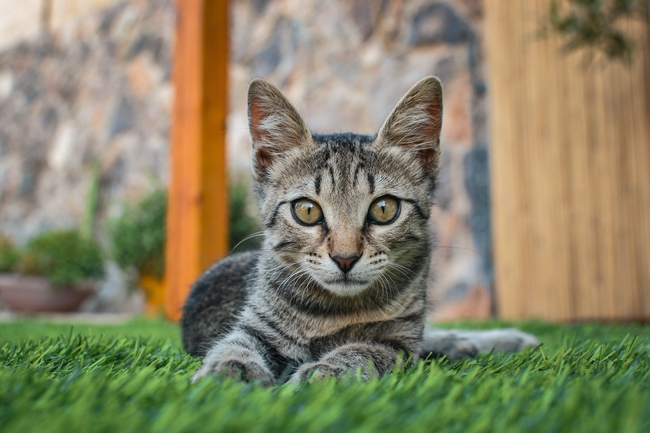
<point>345,263</point>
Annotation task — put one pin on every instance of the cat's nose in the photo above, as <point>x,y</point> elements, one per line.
<point>345,263</point>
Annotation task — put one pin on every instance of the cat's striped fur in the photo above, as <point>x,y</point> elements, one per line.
<point>347,293</point>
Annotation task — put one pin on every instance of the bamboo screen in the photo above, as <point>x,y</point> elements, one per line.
<point>570,172</point>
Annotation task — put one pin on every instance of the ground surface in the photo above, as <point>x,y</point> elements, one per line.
<point>135,377</point>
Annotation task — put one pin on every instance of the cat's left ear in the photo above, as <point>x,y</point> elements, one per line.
<point>414,124</point>
<point>275,126</point>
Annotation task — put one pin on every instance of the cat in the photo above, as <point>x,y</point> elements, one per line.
<point>339,285</point>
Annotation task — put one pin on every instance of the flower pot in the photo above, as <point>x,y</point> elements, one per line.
<point>26,293</point>
<point>154,291</point>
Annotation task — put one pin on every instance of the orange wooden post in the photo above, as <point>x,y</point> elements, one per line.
<point>197,216</point>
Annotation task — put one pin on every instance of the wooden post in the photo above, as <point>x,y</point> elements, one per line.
<point>197,218</point>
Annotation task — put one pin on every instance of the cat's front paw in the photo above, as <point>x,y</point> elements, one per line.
<point>316,371</point>
<point>245,371</point>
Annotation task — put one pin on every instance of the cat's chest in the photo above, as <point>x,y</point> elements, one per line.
<point>300,335</point>
<point>309,342</point>
<point>306,324</point>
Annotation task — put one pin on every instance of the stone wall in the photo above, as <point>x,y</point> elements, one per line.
<point>26,19</point>
<point>95,87</point>
<point>95,92</point>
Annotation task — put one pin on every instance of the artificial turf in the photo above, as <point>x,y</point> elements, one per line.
<point>135,377</point>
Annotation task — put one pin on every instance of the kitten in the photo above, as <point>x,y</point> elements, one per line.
<point>339,285</point>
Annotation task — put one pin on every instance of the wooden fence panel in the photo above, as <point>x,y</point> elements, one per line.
<point>570,172</point>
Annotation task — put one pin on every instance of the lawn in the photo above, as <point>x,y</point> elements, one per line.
<point>135,377</point>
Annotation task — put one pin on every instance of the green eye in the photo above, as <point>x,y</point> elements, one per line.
<point>307,212</point>
<point>384,210</point>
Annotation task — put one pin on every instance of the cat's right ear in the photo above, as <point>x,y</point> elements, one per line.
<point>275,126</point>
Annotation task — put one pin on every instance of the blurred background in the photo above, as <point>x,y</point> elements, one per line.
<point>543,204</point>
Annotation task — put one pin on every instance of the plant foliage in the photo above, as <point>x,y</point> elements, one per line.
<point>9,254</point>
<point>65,257</point>
<point>597,24</point>
<point>138,235</point>
<point>243,225</point>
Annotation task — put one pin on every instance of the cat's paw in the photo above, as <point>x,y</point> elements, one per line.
<point>314,372</point>
<point>245,371</point>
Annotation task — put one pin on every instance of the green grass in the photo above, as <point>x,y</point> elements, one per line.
<point>135,377</point>
<point>154,329</point>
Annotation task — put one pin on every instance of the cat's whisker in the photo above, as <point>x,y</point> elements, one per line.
<point>448,247</point>
<point>282,274</point>
<point>402,270</point>
<point>251,236</point>
<point>384,287</point>
<point>278,270</point>
<point>291,275</point>
<point>304,290</point>
<point>389,271</point>
<point>390,285</point>
<point>268,272</point>
<point>390,276</point>
<point>297,272</point>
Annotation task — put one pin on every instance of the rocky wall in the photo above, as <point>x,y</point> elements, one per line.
<point>95,93</point>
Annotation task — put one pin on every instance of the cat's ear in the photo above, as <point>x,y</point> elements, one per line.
<point>414,124</point>
<point>275,126</point>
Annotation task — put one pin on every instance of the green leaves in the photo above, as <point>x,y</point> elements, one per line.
<point>138,235</point>
<point>63,256</point>
<point>245,230</point>
<point>596,24</point>
<point>9,254</point>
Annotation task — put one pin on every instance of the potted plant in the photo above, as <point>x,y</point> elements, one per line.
<point>55,271</point>
<point>138,245</point>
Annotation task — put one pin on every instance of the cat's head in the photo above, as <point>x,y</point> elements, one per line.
<point>347,211</point>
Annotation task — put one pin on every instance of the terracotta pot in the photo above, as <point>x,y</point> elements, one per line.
<point>33,294</point>
<point>154,291</point>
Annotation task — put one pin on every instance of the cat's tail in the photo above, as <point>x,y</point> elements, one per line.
<point>457,344</point>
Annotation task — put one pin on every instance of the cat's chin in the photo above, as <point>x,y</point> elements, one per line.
<point>346,287</point>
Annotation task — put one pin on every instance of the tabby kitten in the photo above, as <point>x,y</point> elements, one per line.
<point>339,285</point>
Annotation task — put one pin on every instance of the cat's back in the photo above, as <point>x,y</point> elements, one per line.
<point>211,307</point>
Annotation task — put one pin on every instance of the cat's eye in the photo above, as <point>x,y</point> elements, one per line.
<point>306,212</point>
<point>384,210</point>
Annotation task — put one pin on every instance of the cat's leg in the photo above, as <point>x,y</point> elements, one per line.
<point>240,355</point>
<point>216,299</point>
<point>457,343</point>
<point>373,359</point>
<point>440,342</point>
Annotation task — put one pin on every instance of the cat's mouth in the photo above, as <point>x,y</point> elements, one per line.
<point>348,281</point>
<point>346,286</point>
